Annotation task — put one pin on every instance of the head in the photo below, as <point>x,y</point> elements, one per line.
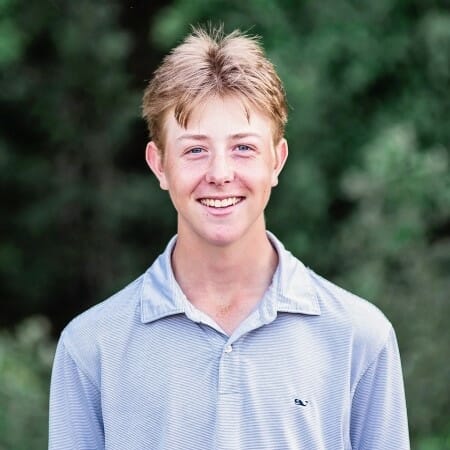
<point>212,64</point>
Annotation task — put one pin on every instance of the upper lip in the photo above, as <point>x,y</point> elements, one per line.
<point>221,202</point>
<point>219,197</point>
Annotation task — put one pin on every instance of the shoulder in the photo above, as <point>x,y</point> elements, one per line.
<point>109,311</point>
<point>102,325</point>
<point>336,314</point>
<point>335,298</point>
<point>365,325</point>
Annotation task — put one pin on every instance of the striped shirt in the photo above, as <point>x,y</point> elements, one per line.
<point>313,367</point>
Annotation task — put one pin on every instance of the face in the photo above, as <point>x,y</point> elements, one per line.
<point>219,171</point>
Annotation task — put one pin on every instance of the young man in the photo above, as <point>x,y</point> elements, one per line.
<point>227,341</point>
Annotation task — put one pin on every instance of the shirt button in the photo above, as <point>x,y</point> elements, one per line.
<point>228,349</point>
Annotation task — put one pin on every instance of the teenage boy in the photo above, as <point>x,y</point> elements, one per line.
<point>227,341</point>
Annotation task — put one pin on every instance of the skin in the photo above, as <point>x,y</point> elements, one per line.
<point>219,172</point>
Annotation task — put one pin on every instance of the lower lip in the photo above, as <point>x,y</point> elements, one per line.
<point>221,211</point>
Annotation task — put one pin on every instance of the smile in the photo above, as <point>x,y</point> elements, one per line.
<point>224,203</point>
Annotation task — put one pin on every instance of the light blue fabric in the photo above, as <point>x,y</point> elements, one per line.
<point>313,367</point>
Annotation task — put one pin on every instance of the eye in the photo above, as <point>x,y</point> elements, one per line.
<point>243,148</point>
<point>195,150</point>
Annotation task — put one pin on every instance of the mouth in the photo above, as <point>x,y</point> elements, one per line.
<point>220,203</point>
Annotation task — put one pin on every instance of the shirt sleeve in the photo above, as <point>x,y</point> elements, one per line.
<point>75,411</point>
<point>378,416</point>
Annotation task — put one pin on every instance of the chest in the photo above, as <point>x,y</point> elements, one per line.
<point>188,378</point>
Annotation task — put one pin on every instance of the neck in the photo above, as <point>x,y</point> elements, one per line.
<point>225,282</point>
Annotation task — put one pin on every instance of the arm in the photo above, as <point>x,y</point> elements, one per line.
<point>75,411</point>
<point>378,416</point>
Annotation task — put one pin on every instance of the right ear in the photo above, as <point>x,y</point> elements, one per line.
<point>154,158</point>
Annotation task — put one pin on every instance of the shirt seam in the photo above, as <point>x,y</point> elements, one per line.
<point>77,362</point>
<point>372,362</point>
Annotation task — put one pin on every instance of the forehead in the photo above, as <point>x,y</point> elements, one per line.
<point>219,117</point>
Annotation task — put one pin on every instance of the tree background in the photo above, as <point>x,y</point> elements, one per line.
<point>364,199</point>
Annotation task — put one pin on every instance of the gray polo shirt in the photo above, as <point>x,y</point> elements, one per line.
<point>313,367</point>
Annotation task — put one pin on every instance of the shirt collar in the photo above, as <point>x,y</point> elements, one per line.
<point>292,285</point>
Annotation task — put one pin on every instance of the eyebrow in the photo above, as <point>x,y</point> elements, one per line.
<point>245,135</point>
<point>204,137</point>
<point>193,137</point>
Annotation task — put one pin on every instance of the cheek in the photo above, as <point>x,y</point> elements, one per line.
<point>260,183</point>
<point>182,181</point>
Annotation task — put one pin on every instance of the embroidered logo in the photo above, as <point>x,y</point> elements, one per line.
<point>299,402</point>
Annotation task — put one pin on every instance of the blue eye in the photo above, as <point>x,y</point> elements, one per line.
<point>196,150</point>
<point>243,148</point>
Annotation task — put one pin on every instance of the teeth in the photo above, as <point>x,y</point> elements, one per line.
<point>216,203</point>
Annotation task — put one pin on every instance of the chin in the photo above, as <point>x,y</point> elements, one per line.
<point>221,238</point>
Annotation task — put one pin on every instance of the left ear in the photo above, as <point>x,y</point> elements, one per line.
<point>154,158</point>
<point>281,154</point>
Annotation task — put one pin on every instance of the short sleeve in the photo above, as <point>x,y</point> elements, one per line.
<point>75,406</point>
<point>378,415</point>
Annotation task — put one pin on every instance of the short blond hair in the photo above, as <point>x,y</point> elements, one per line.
<point>207,64</point>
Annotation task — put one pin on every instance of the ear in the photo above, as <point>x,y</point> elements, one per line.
<point>154,159</point>
<point>281,154</point>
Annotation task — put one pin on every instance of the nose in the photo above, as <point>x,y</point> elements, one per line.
<point>220,170</point>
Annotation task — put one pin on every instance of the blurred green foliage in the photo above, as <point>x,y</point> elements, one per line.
<point>73,213</point>
<point>434,443</point>
<point>364,198</point>
<point>25,363</point>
